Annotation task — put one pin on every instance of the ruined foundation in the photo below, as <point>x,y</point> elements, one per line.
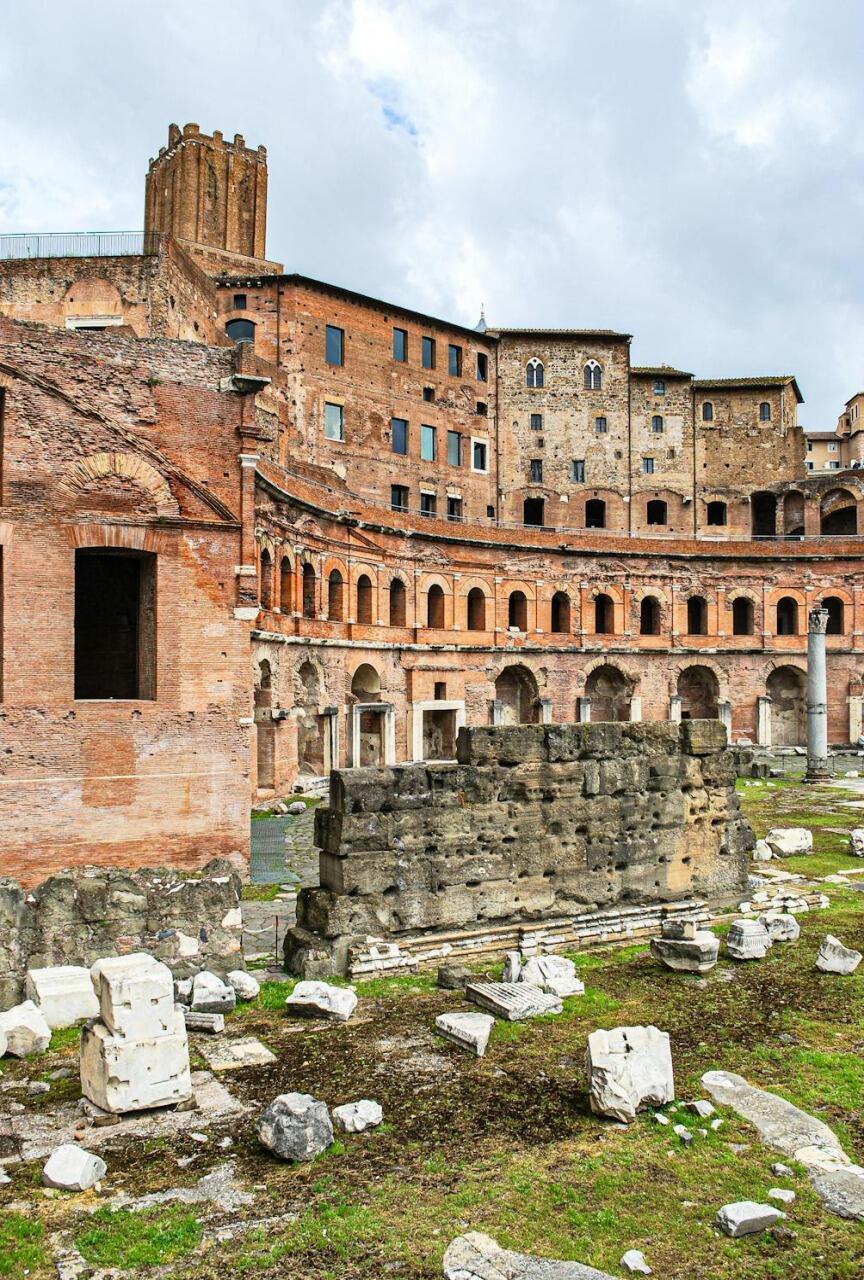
<point>539,836</point>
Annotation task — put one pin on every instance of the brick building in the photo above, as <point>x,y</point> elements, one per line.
<point>254,525</point>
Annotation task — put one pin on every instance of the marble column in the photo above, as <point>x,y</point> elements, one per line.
<point>817,698</point>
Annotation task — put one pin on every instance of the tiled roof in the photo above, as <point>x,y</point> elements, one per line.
<point>659,371</point>
<point>562,333</point>
<point>768,380</point>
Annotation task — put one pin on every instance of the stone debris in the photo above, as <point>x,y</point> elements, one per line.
<point>468,1030</point>
<point>782,1171</point>
<point>295,808</point>
<point>702,1108</point>
<point>229,1055</point>
<point>23,1030</point>
<point>64,993</point>
<point>4,1177</point>
<point>833,957</point>
<point>781,926</point>
<point>453,977</point>
<point>629,1068</point>
<point>355,1117</point>
<point>246,987</point>
<point>747,940</point>
<point>683,1133</point>
<point>787,842</point>
<point>295,1126</point>
<point>35,1087</point>
<point>219,1187</point>
<point>553,974</point>
<point>475,1256</point>
<point>856,842</point>
<point>660,1118</point>
<point>716,1124</point>
<point>322,1000</point>
<point>512,1001</point>
<point>512,967</point>
<point>684,946</point>
<point>762,851</point>
<point>211,995</point>
<point>634,1260</point>
<point>782,1194</point>
<point>746,1218</point>
<point>137,1056</point>
<point>794,1133</point>
<point>71,1168</point>
<point>211,1024</point>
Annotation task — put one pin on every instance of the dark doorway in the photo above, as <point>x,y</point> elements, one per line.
<point>115,624</point>
<point>532,511</point>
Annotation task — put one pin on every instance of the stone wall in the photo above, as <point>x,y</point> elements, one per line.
<point>80,915</point>
<point>533,822</point>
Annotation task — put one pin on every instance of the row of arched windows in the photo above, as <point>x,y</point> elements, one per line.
<point>535,374</point>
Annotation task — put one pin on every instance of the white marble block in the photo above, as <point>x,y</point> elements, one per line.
<point>629,1068</point>
<point>64,993</point>
<point>121,1074</point>
<point>23,1030</point>
<point>135,994</point>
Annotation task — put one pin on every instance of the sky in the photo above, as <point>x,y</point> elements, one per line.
<point>688,171</point>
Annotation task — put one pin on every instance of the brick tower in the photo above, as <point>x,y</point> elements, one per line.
<point>210,194</point>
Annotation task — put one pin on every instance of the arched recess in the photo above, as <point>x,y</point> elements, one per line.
<point>697,616</point>
<point>650,615</point>
<point>786,686</point>
<point>365,609</point>
<point>475,609</point>
<point>517,610</point>
<point>397,599</point>
<point>85,474</point>
<point>366,683</point>
<point>310,584</point>
<point>435,606</point>
<point>604,614</point>
<point>793,513</point>
<point>836,608</point>
<point>559,614</point>
<point>265,730</point>
<point>787,613</point>
<point>286,584</point>
<point>763,514</point>
<point>265,579</point>
<point>610,691</point>
<point>517,695</point>
<point>699,691</point>
<point>743,615</point>
<point>308,699</point>
<point>335,596</point>
<point>838,512</point>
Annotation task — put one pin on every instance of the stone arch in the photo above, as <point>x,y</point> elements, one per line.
<point>130,467</point>
<point>698,687</point>
<point>793,513</point>
<point>308,700</point>
<point>610,691</point>
<point>517,695</point>
<point>365,682</point>
<point>838,512</point>
<point>93,298</point>
<point>786,686</point>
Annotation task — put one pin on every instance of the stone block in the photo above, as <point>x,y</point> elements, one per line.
<point>355,1117</point>
<point>746,1218</point>
<point>501,744</point>
<point>512,1001</point>
<point>246,985</point>
<point>554,974</point>
<point>787,842</point>
<point>856,842</point>
<point>64,993</point>
<point>321,1000</point>
<point>71,1168</point>
<point>120,1074</point>
<point>747,940</point>
<point>24,1030</point>
<point>629,1068</point>
<point>468,1030</point>
<point>781,926</point>
<point>833,957</point>
<point>135,994</point>
<point>690,955</point>
<point>295,1126</point>
<point>210,994</point>
<point>211,1024</point>
<point>702,737</point>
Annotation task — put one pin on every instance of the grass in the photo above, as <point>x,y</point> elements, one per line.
<point>260,892</point>
<point>22,1246</point>
<point>127,1240</point>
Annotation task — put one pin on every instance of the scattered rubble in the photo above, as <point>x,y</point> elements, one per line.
<point>453,977</point>
<point>629,1068</point>
<point>746,1218</point>
<point>64,994</point>
<point>355,1117</point>
<point>634,1260</point>
<point>228,1055</point>
<point>787,842</point>
<point>295,1126</point>
<point>246,987</point>
<point>475,1256</point>
<point>322,1000</point>
<point>23,1030</point>
<point>833,957</point>
<point>468,1030</point>
<point>71,1168</point>
<point>780,926</point>
<point>210,994</point>
<point>684,946</point>
<point>747,940</point>
<point>512,1001</point>
<point>554,974</point>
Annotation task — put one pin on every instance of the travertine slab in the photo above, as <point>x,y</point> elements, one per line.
<point>468,1030</point>
<point>135,994</point>
<point>64,993</point>
<point>512,1000</point>
<point>120,1074</point>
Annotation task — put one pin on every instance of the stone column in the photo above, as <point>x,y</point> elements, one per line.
<point>856,716</point>
<point>724,715</point>
<point>497,711</point>
<point>817,698</point>
<point>635,709</point>
<point>545,706</point>
<point>763,722</point>
<point>675,709</point>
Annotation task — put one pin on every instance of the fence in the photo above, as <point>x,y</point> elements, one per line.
<point>78,244</point>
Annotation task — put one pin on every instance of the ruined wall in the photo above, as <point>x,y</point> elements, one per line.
<point>532,822</point>
<point>81,915</point>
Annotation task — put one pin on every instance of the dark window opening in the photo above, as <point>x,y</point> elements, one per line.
<point>534,373</point>
<point>482,366</point>
<point>536,421</point>
<point>536,470</point>
<point>595,514</point>
<point>286,585</point>
<point>335,601</point>
<point>560,619</point>
<point>427,353</point>
<point>454,508</point>
<point>787,616</point>
<point>707,411</point>
<point>834,605</point>
<point>364,599</point>
<point>763,514</point>
<point>399,497</point>
<point>716,513</point>
<point>454,361</point>
<point>482,408</point>
<point>115,624</point>
<point>240,330</point>
<point>476,618</point>
<point>435,607</point>
<point>397,603</point>
<point>657,424</point>
<point>697,616</point>
<point>309,609</point>
<point>577,471</point>
<point>604,615</point>
<point>649,616</point>
<point>517,610</point>
<point>266,588</point>
<point>742,616</point>
<point>428,504</point>
<point>440,690</point>
<point>454,448</point>
<point>398,435</point>
<point>600,426</point>
<point>239,301</point>
<point>764,411</point>
<point>335,345</point>
<point>429,394</point>
<point>593,376</point>
<point>532,511</point>
<point>490,513</point>
<point>657,512</point>
<point>400,345</point>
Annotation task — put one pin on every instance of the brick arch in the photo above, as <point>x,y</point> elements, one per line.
<point>123,466</point>
<point>130,538</point>
<point>633,678</point>
<point>785,661</point>
<point>614,592</point>
<point>697,660</point>
<point>469,583</point>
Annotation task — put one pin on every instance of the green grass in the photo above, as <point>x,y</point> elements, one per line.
<point>64,1038</point>
<point>22,1246</point>
<point>260,892</point>
<point>126,1240</point>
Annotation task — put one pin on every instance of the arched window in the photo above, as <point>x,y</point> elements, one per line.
<point>657,424</point>
<point>435,606</point>
<point>266,579</point>
<point>335,603</point>
<point>595,514</point>
<point>517,610</point>
<point>649,616</point>
<point>742,616</point>
<point>657,512</point>
<point>593,376</point>
<point>286,585</point>
<point>308,591</point>
<point>240,330</point>
<point>476,610</point>
<point>604,615</point>
<point>697,616</point>
<point>787,616</point>
<point>764,411</point>
<point>716,513</point>
<point>834,605</point>
<point>534,373</point>
<point>397,603</point>
<point>561,612</point>
<point>707,411</point>
<point>364,599</point>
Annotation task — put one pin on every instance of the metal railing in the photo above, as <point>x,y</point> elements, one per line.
<point>77,244</point>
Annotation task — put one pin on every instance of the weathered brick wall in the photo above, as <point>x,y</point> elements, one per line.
<point>532,822</point>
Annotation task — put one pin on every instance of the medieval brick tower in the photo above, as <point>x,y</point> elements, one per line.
<point>211,194</point>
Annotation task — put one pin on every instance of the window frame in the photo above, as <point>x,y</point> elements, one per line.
<point>398,423</point>
<point>400,339</point>
<point>454,360</point>
<point>451,436</point>
<point>481,442</point>
<point>334,404</point>
<point>330,331</point>
<point>577,470</point>
<point>427,352</point>
<point>428,433</point>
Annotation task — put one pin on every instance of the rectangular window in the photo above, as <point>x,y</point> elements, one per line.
<point>429,395</point>
<point>428,504</point>
<point>334,422</point>
<point>482,366</point>
<point>536,421</point>
<point>536,470</point>
<point>657,424</point>
<point>648,466</point>
<point>659,387</point>
<point>809,446</point>
<point>399,497</point>
<point>400,344</point>
<point>833,466</point>
<point>832,447</point>
<point>478,456</point>
<point>454,361</point>
<point>398,435</point>
<point>115,624</point>
<point>577,471</point>
<point>600,425</point>
<point>239,301</point>
<point>482,408</point>
<point>335,345</point>
<point>454,508</point>
<point>490,513</point>
<point>454,448</point>
<point>428,444</point>
<point>427,353</point>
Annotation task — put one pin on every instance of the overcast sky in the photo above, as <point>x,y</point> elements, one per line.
<point>689,171</point>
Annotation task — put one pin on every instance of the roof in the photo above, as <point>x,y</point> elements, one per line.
<point>768,380</point>
<point>855,397</point>
<point>658,371</point>
<point>823,435</point>
<point>508,332</point>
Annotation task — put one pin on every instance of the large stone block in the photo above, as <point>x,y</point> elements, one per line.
<point>120,1074</point>
<point>64,993</point>
<point>702,737</point>
<point>629,1068</point>
<point>23,1030</point>
<point>135,994</point>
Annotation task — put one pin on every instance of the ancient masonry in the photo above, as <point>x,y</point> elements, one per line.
<point>283,528</point>
<point>539,836</point>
